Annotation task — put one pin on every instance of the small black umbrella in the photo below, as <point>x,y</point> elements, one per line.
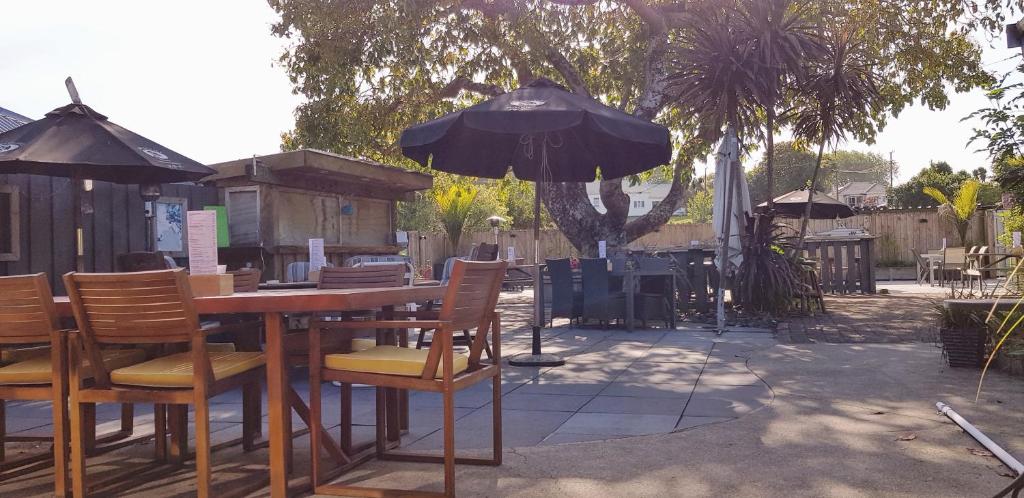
<point>544,133</point>
<point>823,207</point>
<point>77,142</point>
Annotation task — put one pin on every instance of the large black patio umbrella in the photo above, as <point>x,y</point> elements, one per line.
<point>77,142</point>
<point>545,134</point>
<point>823,207</point>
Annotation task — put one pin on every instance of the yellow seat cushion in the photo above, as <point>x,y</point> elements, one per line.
<point>220,347</point>
<point>363,343</point>
<point>390,360</point>
<point>176,370</point>
<point>37,370</point>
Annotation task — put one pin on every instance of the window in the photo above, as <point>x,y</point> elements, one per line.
<point>10,228</point>
<point>638,204</point>
<point>855,200</point>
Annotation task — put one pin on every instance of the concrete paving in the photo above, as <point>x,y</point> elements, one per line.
<point>657,413</point>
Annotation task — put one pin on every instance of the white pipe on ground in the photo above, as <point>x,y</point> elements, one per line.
<point>990,445</point>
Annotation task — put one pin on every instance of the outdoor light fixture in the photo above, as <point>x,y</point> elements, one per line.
<point>495,221</point>
<point>149,191</point>
<point>1015,35</point>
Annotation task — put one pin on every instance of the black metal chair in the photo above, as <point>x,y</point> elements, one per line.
<point>566,301</point>
<point>654,298</point>
<point>599,302</point>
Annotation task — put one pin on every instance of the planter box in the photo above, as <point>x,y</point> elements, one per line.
<point>889,273</point>
<point>964,348</point>
<point>1011,363</point>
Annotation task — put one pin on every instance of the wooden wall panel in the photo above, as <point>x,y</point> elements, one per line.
<point>117,224</point>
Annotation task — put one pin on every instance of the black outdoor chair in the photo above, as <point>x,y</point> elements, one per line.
<point>566,301</point>
<point>599,302</point>
<point>654,298</point>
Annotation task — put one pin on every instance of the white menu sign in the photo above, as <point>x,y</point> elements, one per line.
<point>602,249</point>
<point>317,260</point>
<point>1016,239</point>
<point>202,242</point>
<point>511,253</point>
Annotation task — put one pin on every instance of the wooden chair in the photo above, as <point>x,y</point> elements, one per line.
<point>27,316</point>
<point>246,279</point>
<point>468,303</point>
<point>154,308</point>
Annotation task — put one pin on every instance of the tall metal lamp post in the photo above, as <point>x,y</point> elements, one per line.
<point>495,221</point>
<point>150,192</point>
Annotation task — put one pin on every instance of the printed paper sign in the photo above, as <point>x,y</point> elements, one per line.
<point>202,242</point>
<point>317,260</point>
<point>511,253</point>
<point>602,249</point>
<point>402,238</point>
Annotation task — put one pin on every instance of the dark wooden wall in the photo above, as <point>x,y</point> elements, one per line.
<point>117,225</point>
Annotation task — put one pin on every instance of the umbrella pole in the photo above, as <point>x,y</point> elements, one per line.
<point>536,358</point>
<point>76,207</point>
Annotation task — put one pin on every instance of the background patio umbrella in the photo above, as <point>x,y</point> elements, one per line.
<point>77,142</point>
<point>823,207</point>
<point>544,133</point>
<point>731,206</point>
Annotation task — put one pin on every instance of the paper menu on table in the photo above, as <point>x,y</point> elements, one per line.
<point>511,253</point>
<point>317,259</point>
<point>202,242</point>
<point>602,249</point>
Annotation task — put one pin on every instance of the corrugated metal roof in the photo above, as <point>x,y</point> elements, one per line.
<point>10,120</point>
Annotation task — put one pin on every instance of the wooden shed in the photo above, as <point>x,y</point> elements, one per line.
<point>276,203</point>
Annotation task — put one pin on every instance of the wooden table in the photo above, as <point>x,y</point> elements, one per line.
<point>272,304</point>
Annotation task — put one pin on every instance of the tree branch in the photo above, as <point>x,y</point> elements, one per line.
<point>652,16</point>
<point>615,200</point>
<point>565,68</point>
<point>463,83</point>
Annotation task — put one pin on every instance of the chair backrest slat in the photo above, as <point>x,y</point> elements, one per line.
<point>246,279</point>
<point>472,293</point>
<point>362,277</point>
<point>27,312</point>
<point>131,308</point>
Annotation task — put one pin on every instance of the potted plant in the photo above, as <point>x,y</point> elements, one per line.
<point>963,335</point>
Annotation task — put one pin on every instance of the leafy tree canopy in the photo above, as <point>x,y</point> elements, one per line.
<point>939,175</point>
<point>794,166</point>
<point>369,68</point>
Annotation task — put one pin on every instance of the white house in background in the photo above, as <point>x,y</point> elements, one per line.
<point>862,194</point>
<point>642,198</point>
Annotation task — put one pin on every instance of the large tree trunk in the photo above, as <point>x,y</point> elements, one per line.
<point>769,158</point>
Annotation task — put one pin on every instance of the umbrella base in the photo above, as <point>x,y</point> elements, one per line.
<point>536,360</point>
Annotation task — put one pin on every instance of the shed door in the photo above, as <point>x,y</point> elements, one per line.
<point>243,217</point>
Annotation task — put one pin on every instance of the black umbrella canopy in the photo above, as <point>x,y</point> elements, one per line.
<point>76,141</point>
<point>823,207</point>
<point>580,135</point>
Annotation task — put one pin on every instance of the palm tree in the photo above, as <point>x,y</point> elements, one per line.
<point>455,209</point>
<point>838,95</point>
<point>961,208</point>
<point>715,78</point>
<point>783,37</point>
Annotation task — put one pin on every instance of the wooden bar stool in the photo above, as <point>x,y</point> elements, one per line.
<point>153,307</point>
<point>469,302</point>
<point>27,316</point>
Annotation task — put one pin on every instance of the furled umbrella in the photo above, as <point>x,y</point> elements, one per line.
<point>823,207</point>
<point>731,207</point>
<point>76,142</point>
<point>544,133</point>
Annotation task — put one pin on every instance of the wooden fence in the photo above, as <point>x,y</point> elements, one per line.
<point>898,233</point>
<point>117,225</point>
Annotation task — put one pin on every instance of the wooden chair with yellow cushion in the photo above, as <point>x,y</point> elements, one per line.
<point>154,307</point>
<point>469,302</point>
<point>28,317</point>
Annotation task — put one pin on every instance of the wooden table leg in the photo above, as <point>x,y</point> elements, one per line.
<point>392,396</point>
<point>280,436</point>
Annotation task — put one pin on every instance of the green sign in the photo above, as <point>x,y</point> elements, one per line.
<point>222,225</point>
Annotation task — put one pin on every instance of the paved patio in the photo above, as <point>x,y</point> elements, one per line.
<point>660,413</point>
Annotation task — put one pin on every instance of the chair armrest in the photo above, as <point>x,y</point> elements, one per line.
<point>231,327</point>
<point>382,324</point>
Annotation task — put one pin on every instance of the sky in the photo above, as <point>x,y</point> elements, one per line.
<point>201,78</point>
